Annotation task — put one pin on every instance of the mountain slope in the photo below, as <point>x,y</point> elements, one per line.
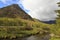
<point>14,11</point>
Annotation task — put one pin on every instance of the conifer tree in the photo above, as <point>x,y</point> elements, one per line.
<point>58,10</point>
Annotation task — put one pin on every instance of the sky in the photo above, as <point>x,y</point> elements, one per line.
<point>39,9</point>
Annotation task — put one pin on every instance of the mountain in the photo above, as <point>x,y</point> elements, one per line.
<point>14,11</point>
<point>46,22</point>
<point>50,22</point>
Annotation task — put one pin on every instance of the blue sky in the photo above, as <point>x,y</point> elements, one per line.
<point>4,3</point>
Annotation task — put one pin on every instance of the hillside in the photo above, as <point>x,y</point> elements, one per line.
<point>14,11</point>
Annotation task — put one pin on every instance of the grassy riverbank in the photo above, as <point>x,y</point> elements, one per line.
<point>16,27</point>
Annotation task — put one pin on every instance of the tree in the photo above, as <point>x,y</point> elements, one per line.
<point>58,4</point>
<point>58,11</point>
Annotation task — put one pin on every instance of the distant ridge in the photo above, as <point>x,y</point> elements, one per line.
<point>50,22</point>
<point>14,11</point>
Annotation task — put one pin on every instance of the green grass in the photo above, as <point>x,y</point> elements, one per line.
<point>54,38</point>
<point>16,27</point>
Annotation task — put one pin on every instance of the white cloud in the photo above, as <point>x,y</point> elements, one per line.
<point>40,9</point>
<point>4,1</point>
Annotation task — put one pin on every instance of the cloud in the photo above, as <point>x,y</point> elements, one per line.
<point>40,9</point>
<point>21,5</point>
<point>4,1</point>
<point>10,1</point>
